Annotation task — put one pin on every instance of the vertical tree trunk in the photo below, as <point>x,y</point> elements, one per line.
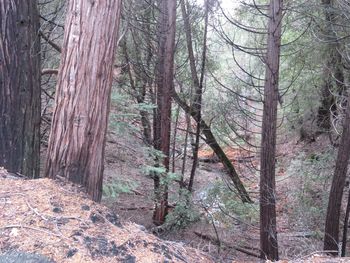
<point>164,82</point>
<point>197,81</point>
<point>79,125</point>
<point>345,228</point>
<point>20,87</point>
<point>268,231</point>
<point>331,238</point>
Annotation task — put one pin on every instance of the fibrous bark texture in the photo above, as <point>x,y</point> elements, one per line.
<point>331,238</point>
<point>79,125</point>
<point>268,231</point>
<point>165,87</point>
<point>19,87</point>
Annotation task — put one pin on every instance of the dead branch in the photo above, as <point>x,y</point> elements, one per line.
<point>48,71</point>
<point>217,242</point>
<point>30,227</point>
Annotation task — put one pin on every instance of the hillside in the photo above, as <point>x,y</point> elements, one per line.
<point>56,220</point>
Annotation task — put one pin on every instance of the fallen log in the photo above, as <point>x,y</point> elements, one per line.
<point>217,242</point>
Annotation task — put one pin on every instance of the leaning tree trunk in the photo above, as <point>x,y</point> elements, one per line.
<point>165,86</point>
<point>268,231</point>
<point>214,145</point>
<point>79,125</point>
<point>331,238</point>
<point>19,87</point>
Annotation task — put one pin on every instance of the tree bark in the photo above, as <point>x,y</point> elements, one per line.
<point>268,228</point>
<point>197,81</point>
<point>345,228</point>
<point>79,125</point>
<point>331,238</point>
<point>20,87</point>
<point>165,86</point>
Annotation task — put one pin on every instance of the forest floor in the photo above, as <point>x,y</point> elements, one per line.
<point>133,201</point>
<point>51,221</point>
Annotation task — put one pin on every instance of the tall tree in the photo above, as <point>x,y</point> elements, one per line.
<point>79,125</point>
<point>268,231</point>
<point>197,79</point>
<point>165,86</point>
<point>331,238</point>
<point>20,87</point>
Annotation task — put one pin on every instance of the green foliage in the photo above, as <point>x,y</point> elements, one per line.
<point>226,205</point>
<point>120,121</point>
<point>311,175</point>
<point>183,214</point>
<point>116,187</point>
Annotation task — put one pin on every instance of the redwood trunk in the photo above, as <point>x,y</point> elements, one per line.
<point>164,82</point>
<point>331,238</point>
<point>268,231</point>
<point>79,125</point>
<point>20,87</point>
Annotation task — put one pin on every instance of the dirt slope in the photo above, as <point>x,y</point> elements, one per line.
<point>55,219</point>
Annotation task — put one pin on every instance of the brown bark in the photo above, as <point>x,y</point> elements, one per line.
<point>197,81</point>
<point>164,83</point>
<point>331,238</point>
<point>268,231</point>
<point>212,143</point>
<point>345,228</point>
<point>20,87</point>
<point>79,125</point>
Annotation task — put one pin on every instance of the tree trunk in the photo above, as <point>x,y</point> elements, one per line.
<point>197,81</point>
<point>331,238</point>
<point>345,228</point>
<point>79,125</point>
<point>165,86</point>
<point>20,87</point>
<point>268,231</point>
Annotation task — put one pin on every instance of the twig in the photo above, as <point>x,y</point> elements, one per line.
<point>35,211</point>
<point>136,208</point>
<point>48,40</point>
<point>32,228</point>
<point>49,71</point>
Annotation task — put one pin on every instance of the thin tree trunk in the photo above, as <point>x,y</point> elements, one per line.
<point>188,123</point>
<point>79,125</point>
<point>164,82</point>
<point>197,81</point>
<point>20,87</point>
<point>173,168</point>
<point>212,143</point>
<point>268,226</point>
<point>331,238</point>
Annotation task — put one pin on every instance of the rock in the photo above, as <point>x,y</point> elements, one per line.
<point>85,207</point>
<point>23,257</point>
